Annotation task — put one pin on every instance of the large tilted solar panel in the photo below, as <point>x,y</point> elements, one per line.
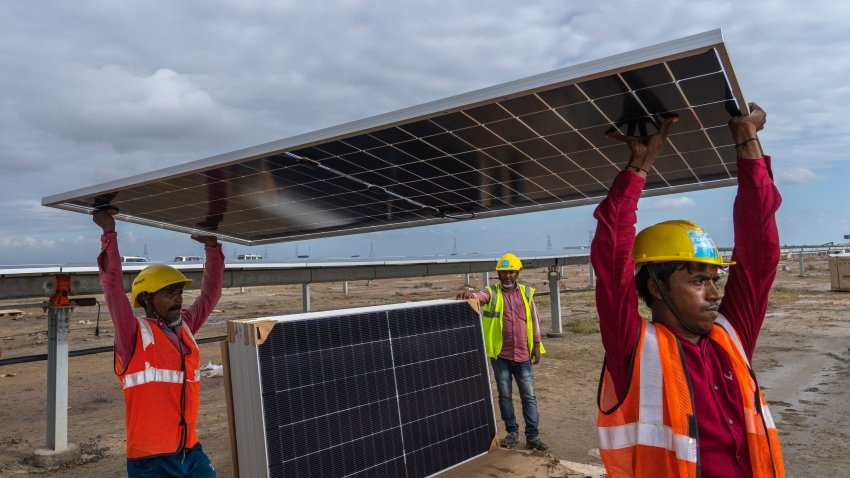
<point>533,144</point>
<point>387,391</point>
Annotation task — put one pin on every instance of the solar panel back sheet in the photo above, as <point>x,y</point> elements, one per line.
<point>533,144</point>
<point>398,390</point>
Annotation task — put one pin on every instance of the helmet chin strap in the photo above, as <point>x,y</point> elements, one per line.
<point>149,309</point>
<point>666,298</point>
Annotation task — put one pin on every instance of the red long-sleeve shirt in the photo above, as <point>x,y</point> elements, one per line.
<point>718,406</point>
<point>121,311</point>
<point>515,327</point>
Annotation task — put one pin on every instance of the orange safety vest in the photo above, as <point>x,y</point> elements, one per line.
<point>652,432</point>
<point>161,400</point>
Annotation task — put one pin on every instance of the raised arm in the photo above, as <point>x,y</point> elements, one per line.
<point>610,254</point>
<point>198,313</point>
<point>112,281</point>
<point>756,250</point>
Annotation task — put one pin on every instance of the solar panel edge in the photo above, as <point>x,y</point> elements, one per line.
<point>245,384</point>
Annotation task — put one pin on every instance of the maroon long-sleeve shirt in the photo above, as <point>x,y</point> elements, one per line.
<point>121,311</point>
<point>719,410</point>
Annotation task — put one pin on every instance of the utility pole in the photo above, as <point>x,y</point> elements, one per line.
<point>548,242</point>
<point>145,253</point>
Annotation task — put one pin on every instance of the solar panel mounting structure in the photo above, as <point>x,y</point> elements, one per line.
<point>399,390</point>
<point>533,144</point>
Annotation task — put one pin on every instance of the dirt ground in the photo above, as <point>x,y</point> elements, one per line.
<point>803,362</point>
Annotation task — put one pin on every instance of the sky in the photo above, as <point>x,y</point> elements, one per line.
<point>95,91</point>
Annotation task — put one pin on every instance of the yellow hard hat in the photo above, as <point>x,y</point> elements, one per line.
<point>509,262</point>
<point>676,241</point>
<point>153,278</point>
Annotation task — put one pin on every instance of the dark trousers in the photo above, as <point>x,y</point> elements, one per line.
<point>192,463</point>
<point>504,370</point>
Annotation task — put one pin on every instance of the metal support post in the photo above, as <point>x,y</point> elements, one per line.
<point>802,271</point>
<point>591,279</point>
<point>305,296</point>
<point>485,279</point>
<point>57,449</point>
<point>58,326</point>
<point>555,302</point>
<point>345,287</point>
<point>466,279</point>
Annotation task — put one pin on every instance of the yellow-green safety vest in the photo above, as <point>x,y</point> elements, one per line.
<point>493,313</point>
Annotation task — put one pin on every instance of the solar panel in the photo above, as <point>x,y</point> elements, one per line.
<point>533,144</point>
<point>399,390</point>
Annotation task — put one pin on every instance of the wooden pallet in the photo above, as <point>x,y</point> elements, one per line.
<point>11,313</point>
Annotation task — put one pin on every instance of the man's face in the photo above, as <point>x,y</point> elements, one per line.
<point>168,301</point>
<point>508,278</point>
<point>696,296</point>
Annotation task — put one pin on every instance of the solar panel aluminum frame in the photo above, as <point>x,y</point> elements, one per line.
<point>244,376</point>
<point>616,64</point>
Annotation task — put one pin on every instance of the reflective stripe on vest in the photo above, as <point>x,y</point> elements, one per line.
<point>153,374</point>
<point>733,334</point>
<point>762,437</point>
<point>659,436</point>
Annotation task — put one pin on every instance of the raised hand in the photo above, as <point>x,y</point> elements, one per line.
<point>104,217</point>
<point>207,241</point>
<point>745,132</point>
<point>644,149</point>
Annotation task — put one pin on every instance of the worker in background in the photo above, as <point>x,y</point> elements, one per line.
<point>156,357</point>
<point>512,339</point>
<point>678,396</point>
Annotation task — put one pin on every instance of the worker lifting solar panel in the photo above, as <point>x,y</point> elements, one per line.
<point>533,144</point>
<point>397,390</point>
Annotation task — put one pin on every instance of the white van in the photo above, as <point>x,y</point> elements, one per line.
<point>188,259</point>
<point>131,259</point>
<point>249,257</point>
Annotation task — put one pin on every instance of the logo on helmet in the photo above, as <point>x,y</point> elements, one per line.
<point>703,245</point>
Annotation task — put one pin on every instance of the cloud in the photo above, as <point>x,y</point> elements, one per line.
<point>667,203</point>
<point>27,242</point>
<point>129,110</point>
<point>14,161</point>
<point>796,176</point>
